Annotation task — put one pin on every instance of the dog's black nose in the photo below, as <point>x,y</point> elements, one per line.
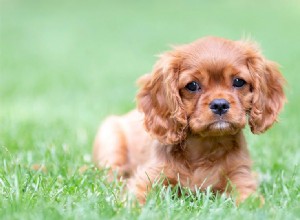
<point>219,106</point>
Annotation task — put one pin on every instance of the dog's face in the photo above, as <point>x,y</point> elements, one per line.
<point>210,88</point>
<point>216,93</point>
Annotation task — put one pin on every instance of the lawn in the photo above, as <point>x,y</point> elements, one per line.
<point>65,65</point>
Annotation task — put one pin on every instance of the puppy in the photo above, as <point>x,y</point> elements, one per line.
<point>191,112</point>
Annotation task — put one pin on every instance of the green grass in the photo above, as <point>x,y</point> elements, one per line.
<point>65,65</point>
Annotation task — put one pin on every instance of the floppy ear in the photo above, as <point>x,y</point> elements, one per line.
<point>159,100</point>
<point>268,94</point>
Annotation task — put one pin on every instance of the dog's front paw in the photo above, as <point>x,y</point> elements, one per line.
<point>254,198</point>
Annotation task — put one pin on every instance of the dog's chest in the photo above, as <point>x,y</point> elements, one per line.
<point>209,173</point>
<point>207,167</point>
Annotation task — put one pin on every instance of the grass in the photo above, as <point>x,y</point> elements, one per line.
<point>65,65</point>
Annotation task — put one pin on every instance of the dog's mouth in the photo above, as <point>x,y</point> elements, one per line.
<point>221,127</point>
<point>217,127</point>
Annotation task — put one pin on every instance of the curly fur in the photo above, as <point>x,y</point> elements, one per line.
<point>176,134</point>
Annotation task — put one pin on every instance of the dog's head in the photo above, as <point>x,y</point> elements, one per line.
<point>209,88</point>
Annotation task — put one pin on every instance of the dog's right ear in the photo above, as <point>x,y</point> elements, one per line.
<point>159,100</point>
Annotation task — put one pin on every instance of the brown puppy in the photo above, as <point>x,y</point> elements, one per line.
<point>192,109</point>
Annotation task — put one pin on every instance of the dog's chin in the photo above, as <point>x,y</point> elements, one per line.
<point>218,128</point>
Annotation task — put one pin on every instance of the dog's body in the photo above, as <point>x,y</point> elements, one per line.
<point>127,143</point>
<point>193,108</point>
<point>124,145</point>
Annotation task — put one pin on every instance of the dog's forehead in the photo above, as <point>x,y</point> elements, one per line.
<point>214,54</point>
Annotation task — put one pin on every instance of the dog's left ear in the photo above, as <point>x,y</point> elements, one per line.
<point>268,95</point>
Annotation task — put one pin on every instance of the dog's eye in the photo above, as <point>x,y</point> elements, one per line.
<point>238,82</point>
<point>192,86</point>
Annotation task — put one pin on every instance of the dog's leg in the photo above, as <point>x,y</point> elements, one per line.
<point>142,182</point>
<point>110,147</point>
<point>244,182</point>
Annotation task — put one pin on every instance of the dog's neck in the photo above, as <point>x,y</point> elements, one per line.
<point>212,148</point>
<point>197,148</point>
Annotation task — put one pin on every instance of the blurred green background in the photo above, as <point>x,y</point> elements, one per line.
<point>65,65</point>
<point>71,63</point>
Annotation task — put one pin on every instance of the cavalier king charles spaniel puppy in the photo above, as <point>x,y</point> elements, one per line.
<point>191,111</point>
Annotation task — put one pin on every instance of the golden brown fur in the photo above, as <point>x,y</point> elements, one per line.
<point>175,131</point>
